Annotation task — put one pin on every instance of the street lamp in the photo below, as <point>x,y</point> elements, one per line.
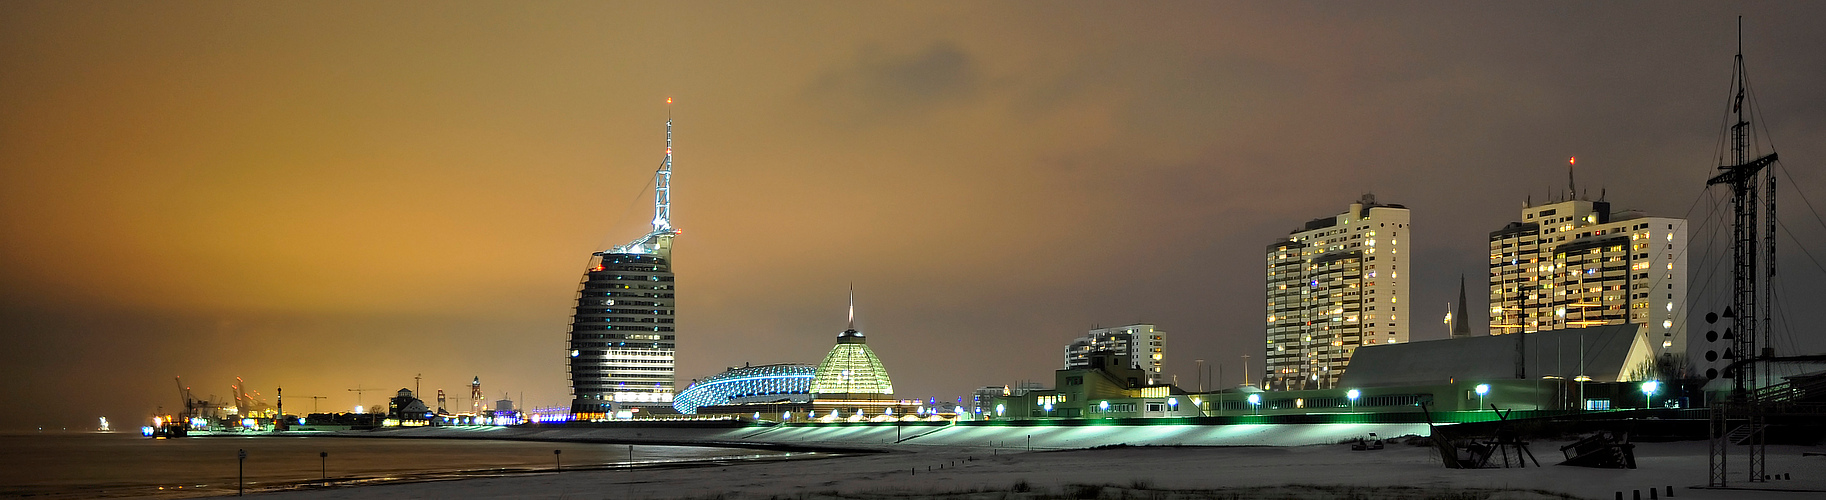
<point>998,409</point>
<point>1482,390</point>
<point>1255,402</point>
<point>1049,409</point>
<point>1352,395</point>
<point>1172,405</point>
<point>1648,392</point>
<point>1105,406</point>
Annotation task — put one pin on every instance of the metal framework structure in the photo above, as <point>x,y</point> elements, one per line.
<point>653,241</point>
<point>851,367</point>
<point>1742,175</point>
<point>749,382</point>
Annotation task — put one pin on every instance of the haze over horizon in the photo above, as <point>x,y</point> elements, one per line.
<point>326,196</point>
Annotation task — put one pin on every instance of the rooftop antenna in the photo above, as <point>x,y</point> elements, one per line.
<point>1571,185</point>
<point>662,192</point>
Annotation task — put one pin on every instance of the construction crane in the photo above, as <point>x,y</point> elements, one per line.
<point>358,390</point>
<point>314,402</point>
<point>249,405</point>
<point>184,395</point>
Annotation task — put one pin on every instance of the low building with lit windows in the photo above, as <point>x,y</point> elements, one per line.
<point>1107,386</point>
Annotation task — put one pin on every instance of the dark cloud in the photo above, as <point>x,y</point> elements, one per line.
<point>883,84</point>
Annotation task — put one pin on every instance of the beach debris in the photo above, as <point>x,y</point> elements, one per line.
<point>1603,450</point>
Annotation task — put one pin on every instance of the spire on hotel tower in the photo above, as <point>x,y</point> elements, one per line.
<point>659,239</point>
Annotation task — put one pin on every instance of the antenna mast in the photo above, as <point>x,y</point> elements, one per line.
<point>657,240</point>
<point>662,190</point>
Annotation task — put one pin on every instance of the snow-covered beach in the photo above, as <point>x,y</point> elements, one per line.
<point>1282,461</point>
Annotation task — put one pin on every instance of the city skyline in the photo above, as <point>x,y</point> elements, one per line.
<point>215,192</point>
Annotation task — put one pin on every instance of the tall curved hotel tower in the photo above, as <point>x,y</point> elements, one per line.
<point>621,345</point>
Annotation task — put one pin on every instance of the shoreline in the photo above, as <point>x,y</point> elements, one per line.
<point>371,460</point>
<point>636,441</point>
<point>512,472</point>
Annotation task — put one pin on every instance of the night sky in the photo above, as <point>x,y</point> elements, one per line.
<point>325,195</point>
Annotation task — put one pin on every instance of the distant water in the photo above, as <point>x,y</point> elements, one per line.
<point>86,465</point>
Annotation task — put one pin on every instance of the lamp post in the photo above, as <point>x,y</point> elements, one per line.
<point>1648,392</point>
<point>323,466</point>
<point>1482,390</point>
<point>1105,406</point>
<point>1049,409</point>
<point>999,408</point>
<point>1173,405</point>
<point>1352,396</point>
<point>1255,402</point>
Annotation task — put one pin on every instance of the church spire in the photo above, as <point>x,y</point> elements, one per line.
<point>1459,328</point>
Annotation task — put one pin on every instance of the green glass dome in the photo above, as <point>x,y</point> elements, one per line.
<point>851,368</point>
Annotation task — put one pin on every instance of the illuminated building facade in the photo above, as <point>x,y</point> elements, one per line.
<point>1334,285</point>
<point>780,383</point>
<point>1576,264</point>
<point>1144,345</point>
<point>851,370</point>
<point>622,343</point>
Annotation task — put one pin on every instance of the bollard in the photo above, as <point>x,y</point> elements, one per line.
<point>241,472</point>
<point>559,460</point>
<point>323,466</point>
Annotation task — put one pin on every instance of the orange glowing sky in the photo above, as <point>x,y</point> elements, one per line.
<point>322,196</point>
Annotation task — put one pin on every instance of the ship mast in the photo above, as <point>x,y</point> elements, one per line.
<point>1742,175</point>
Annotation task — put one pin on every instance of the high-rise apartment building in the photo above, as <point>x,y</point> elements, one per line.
<point>1575,263</point>
<point>622,346</point>
<point>1333,285</point>
<point>1144,344</point>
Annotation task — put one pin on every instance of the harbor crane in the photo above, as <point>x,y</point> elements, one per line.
<point>358,390</point>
